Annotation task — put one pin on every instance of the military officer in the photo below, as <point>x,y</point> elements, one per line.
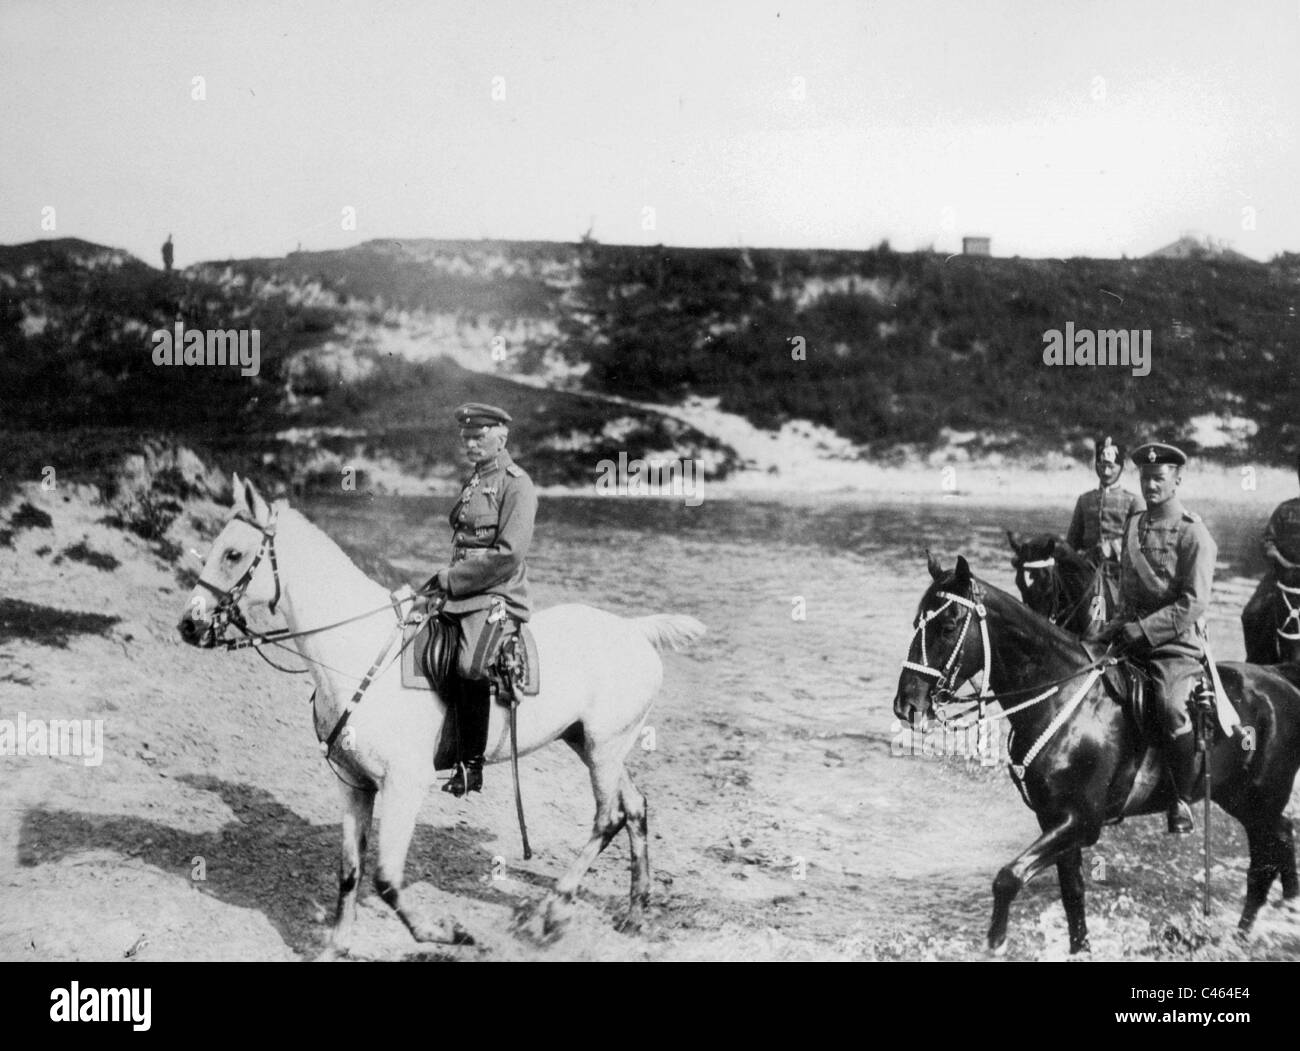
<point>486,585</point>
<point>1282,552</point>
<point>1166,572</point>
<point>1097,528</point>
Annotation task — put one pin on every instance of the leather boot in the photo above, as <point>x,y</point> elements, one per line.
<point>1181,761</point>
<point>472,713</point>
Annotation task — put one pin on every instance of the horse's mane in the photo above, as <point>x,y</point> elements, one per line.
<point>316,534</point>
<point>1011,607</point>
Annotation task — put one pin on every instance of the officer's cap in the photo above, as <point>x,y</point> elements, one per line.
<point>1108,451</point>
<point>1158,452</point>
<point>476,414</point>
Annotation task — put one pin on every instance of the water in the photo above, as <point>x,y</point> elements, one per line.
<point>854,567</point>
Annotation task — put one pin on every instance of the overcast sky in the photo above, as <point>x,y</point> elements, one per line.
<point>1058,129</point>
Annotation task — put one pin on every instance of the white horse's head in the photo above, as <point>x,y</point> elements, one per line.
<point>239,573</point>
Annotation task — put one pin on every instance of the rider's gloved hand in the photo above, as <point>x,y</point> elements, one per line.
<point>1107,631</point>
<point>435,584</point>
<point>1128,639</point>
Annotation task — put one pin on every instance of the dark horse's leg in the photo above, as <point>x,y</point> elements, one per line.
<point>1286,859</point>
<point>1069,871</point>
<point>1264,850</point>
<point>1051,845</point>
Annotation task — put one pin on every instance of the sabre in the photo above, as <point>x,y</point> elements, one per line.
<point>1205,698</point>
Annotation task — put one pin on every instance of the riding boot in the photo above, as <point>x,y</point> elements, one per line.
<point>472,713</point>
<point>1180,759</point>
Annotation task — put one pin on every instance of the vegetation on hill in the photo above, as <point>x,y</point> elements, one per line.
<point>891,348</point>
<point>897,351</point>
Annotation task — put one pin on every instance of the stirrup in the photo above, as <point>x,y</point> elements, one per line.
<point>468,777</point>
<point>1179,818</point>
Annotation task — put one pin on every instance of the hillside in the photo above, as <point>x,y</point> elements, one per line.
<point>335,384</point>
<point>895,355</point>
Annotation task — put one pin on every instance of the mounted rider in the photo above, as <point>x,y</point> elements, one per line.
<point>486,585</point>
<point>1282,552</point>
<point>1097,527</point>
<point>1166,573</point>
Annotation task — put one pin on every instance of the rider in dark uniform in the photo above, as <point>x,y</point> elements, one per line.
<point>486,585</point>
<point>1282,551</point>
<point>1097,528</point>
<point>1167,570</point>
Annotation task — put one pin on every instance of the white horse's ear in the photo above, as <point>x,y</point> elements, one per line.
<point>257,507</point>
<point>236,487</point>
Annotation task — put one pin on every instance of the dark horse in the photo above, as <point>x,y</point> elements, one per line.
<point>1275,635</point>
<point>1056,582</point>
<point>1089,765</point>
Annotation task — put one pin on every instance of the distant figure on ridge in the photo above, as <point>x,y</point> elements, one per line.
<point>167,254</point>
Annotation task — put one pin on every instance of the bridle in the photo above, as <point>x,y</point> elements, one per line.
<point>1048,563</point>
<point>1291,600</point>
<point>227,610</point>
<point>946,675</point>
<point>944,690</point>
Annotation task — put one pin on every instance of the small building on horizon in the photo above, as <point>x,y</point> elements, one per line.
<point>976,246</point>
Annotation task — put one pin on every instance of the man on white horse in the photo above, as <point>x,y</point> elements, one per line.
<point>486,585</point>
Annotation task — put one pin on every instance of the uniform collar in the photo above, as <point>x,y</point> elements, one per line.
<point>498,463</point>
<point>1170,510</point>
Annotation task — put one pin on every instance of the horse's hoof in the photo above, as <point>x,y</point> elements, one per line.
<point>448,932</point>
<point>332,954</point>
<point>459,935</point>
<point>633,923</point>
<point>555,918</point>
<point>999,948</point>
<point>1081,947</point>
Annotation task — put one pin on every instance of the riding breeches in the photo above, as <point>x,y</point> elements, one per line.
<point>480,640</point>
<point>1173,670</point>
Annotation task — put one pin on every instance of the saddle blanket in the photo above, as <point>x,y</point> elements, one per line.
<point>516,661</point>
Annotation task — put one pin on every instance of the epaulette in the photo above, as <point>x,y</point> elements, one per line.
<point>515,471</point>
<point>1191,516</point>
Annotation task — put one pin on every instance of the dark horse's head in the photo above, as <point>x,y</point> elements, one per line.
<point>1054,580</point>
<point>948,644</point>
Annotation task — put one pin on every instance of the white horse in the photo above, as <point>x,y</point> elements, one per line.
<point>599,677</point>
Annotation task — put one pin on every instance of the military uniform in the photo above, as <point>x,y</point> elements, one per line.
<point>1281,538</point>
<point>1166,573</point>
<point>485,589</point>
<point>1097,527</point>
<point>487,584</point>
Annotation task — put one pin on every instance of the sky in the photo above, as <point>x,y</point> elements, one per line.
<point>250,129</point>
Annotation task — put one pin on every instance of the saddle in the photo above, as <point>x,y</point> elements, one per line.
<point>429,659</point>
<point>429,663</point>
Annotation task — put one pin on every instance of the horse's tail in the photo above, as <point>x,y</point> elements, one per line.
<point>670,629</point>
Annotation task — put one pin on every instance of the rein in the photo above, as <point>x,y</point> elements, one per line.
<point>945,677</point>
<point>227,612</point>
